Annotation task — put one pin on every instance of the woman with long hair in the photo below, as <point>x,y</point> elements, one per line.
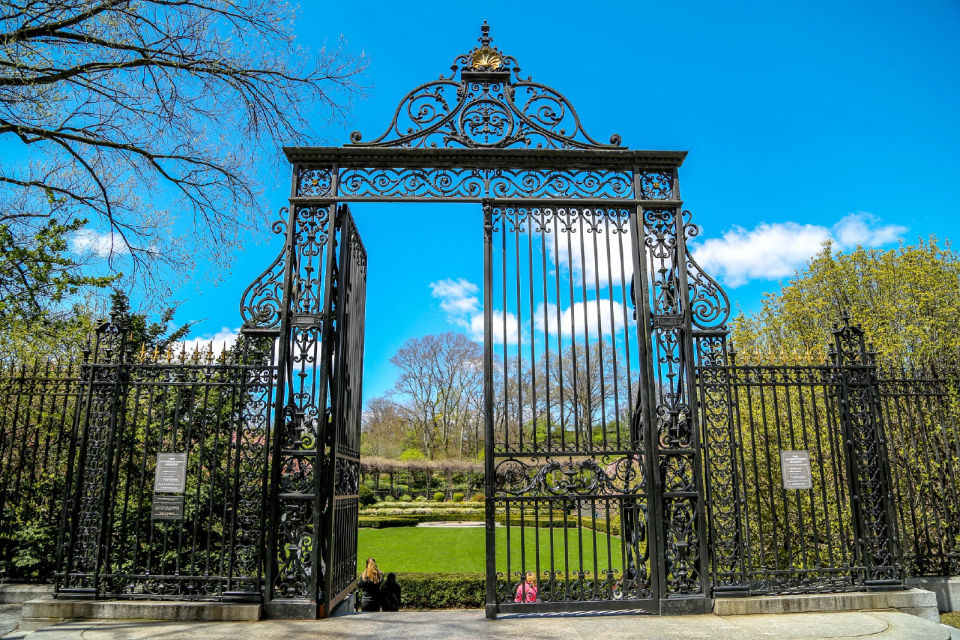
<point>369,584</point>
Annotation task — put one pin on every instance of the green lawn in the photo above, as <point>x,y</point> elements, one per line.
<point>454,550</point>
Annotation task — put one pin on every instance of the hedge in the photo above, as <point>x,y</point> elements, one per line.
<point>469,590</point>
<point>413,520</point>
<point>384,522</point>
<point>440,590</point>
<point>423,511</point>
<point>544,522</point>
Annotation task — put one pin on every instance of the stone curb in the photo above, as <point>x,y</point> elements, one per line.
<point>917,602</point>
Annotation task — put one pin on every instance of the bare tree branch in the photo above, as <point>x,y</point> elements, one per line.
<point>126,112</point>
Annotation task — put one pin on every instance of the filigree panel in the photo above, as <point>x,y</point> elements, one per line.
<point>295,540</point>
<point>314,181</point>
<point>721,447</point>
<point>518,183</point>
<point>346,477</point>
<point>399,183</point>
<point>608,475</point>
<point>656,185</point>
<point>412,183</point>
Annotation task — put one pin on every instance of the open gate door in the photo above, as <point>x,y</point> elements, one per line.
<point>342,464</point>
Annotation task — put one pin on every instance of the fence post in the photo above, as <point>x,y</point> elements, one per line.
<point>85,526</point>
<point>876,548</point>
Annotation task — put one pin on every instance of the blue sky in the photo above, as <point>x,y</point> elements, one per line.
<point>804,121</point>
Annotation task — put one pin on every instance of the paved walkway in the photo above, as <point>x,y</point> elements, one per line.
<point>455,625</point>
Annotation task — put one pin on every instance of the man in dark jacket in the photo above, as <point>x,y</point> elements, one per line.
<point>390,593</point>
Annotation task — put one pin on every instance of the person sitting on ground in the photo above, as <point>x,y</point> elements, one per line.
<point>527,589</point>
<point>390,593</point>
<point>369,584</point>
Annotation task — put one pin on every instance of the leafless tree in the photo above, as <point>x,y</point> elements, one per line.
<point>153,118</point>
<point>382,429</point>
<point>439,390</point>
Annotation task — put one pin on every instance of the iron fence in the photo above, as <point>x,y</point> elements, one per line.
<point>37,407</point>
<point>921,408</point>
<point>133,407</point>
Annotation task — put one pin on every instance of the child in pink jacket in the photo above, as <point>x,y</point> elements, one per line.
<point>527,590</point>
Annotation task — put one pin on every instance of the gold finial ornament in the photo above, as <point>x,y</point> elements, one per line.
<point>487,58</point>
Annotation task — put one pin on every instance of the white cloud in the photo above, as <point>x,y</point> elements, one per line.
<point>226,337</point>
<point>101,244</point>
<point>771,251</point>
<point>587,319</point>
<point>457,297</point>
<point>461,300</point>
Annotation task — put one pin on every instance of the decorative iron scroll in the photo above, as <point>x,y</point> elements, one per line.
<point>346,477</point>
<point>709,304</point>
<point>484,183</point>
<point>583,477</point>
<point>314,181</point>
<point>490,106</point>
<point>864,433</point>
<point>262,301</point>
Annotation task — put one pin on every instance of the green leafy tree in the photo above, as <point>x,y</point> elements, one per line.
<point>907,299</point>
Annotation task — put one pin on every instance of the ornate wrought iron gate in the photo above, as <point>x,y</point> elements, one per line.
<point>605,353</point>
<point>313,298</point>
<point>605,487</point>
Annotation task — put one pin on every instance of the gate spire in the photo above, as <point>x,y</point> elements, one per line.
<point>489,106</point>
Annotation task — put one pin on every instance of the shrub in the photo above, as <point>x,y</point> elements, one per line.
<point>421,499</point>
<point>388,498</point>
<point>458,497</point>
<point>366,496</point>
<point>478,497</point>
<point>384,522</point>
<point>406,498</point>
<point>438,496</point>
<point>442,590</point>
<point>403,488</point>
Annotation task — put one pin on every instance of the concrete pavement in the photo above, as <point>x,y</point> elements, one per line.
<point>456,625</point>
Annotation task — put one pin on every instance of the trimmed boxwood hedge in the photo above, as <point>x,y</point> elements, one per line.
<point>544,522</point>
<point>384,522</point>
<point>440,590</point>
<point>410,520</point>
<point>469,590</point>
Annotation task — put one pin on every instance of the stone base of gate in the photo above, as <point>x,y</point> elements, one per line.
<point>685,606</point>
<point>44,612</point>
<point>14,593</point>
<point>947,590</point>
<point>917,602</point>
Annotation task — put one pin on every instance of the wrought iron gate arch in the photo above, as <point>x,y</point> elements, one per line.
<point>485,134</point>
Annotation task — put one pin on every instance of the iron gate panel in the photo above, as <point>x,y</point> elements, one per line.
<point>314,295</point>
<point>568,464</point>
<point>134,406</point>
<point>343,461</point>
